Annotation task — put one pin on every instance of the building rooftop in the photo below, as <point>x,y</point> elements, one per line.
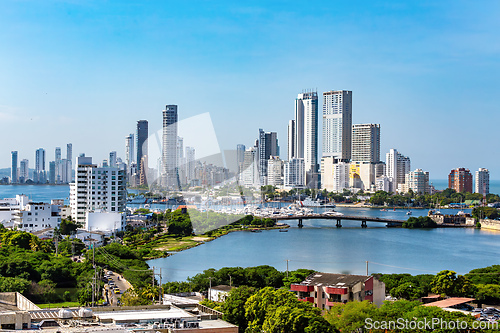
<point>446,303</point>
<point>222,287</point>
<point>329,279</point>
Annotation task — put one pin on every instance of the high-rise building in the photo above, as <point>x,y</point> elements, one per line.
<point>240,157</point>
<point>291,139</point>
<point>13,171</point>
<point>24,171</point>
<point>460,179</point>
<point>129,151</point>
<point>268,146</point>
<point>337,124</point>
<point>170,175</point>
<point>69,165</point>
<point>112,159</point>
<point>56,165</point>
<point>306,130</point>
<point>334,174</point>
<point>40,174</point>
<point>142,139</point>
<point>52,172</point>
<point>294,173</point>
<point>274,171</point>
<point>397,167</point>
<point>98,196</point>
<point>417,181</point>
<point>250,175</point>
<point>366,143</point>
<point>482,182</point>
<point>190,164</point>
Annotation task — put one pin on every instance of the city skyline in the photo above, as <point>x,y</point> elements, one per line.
<point>412,68</point>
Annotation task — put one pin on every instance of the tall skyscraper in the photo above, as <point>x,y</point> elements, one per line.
<point>24,171</point>
<point>306,130</point>
<point>190,164</point>
<point>170,177</point>
<point>69,165</point>
<point>112,159</point>
<point>141,142</point>
<point>291,139</point>
<point>397,167</point>
<point>129,149</point>
<point>366,143</point>
<point>240,157</point>
<point>482,182</point>
<point>52,172</point>
<point>40,174</point>
<point>57,164</point>
<point>337,124</point>
<point>268,146</point>
<point>460,179</point>
<point>13,171</point>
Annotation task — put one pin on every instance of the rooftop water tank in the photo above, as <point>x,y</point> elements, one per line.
<point>65,314</point>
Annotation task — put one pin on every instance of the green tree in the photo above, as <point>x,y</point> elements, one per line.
<point>67,227</point>
<point>234,306</point>
<point>350,317</point>
<point>448,283</point>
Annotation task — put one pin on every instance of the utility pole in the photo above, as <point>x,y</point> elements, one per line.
<point>366,268</point>
<point>287,267</point>
<point>210,287</point>
<point>230,282</point>
<point>159,289</point>
<point>93,282</point>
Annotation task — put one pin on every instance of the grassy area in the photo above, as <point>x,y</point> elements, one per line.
<point>58,305</point>
<point>173,243</point>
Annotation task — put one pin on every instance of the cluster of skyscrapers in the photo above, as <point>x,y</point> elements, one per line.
<point>59,171</point>
<point>350,153</point>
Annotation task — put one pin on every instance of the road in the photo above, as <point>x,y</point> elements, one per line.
<point>120,283</point>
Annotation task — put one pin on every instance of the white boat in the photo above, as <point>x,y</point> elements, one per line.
<point>311,203</point>
<point>332,213</point>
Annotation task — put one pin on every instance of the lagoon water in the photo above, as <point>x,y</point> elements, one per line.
<point>323,247</point>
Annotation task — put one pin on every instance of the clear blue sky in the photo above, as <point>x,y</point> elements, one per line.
<point>86,71</point>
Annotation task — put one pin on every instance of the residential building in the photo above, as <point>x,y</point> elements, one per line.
<point>366,143</point>
<point>325,290</point>
<point>274,171</point>
<point>69,165</point>
<point>142,141</point>
<point>460,179</point>
<point>9,207</point>
<point>219,293</point>
<point>306,130</point>
<point>240,157</point>
<point>98,190</point>
<point>397,166</point>
<point>268,146</point>
<point>40,173</point>
<point>417,181</point>
<point>383,183</point>
<point>294,173</point>
<point>337,124</point>
<point>24,169</point>
<point>482,182</point>
<point>14,179</point>
<point>37,216</point>
<point>334,174</point>
<point>170,176</point>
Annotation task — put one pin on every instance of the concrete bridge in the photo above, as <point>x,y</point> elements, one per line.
<point>339,218</point>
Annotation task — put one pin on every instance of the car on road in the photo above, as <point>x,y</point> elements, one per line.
<point>111,283</point>
<point>117,291</point>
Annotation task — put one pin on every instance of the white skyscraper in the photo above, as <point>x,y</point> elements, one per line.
<point>24,171</point>
<point>482,182</point>
<point>291,139</point>
<point>190,164</point>
<point>169,149</point>
<point>274,171</point>
<point>129,153</point>
<point>112,159</point>
<point>306,130</point>
<point>366,143</point>
<point>101,191</point>
<point>249,176</point>
<point>294,173</point>
<point>397,167</point>
<point>57,164</point>
<point>417,181</point>
<point>337,124</point>
<point>40,174</point>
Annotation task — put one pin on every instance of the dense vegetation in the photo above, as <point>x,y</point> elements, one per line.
<point>419,222</point>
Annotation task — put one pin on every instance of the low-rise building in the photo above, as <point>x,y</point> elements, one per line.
<point>219,293</point>
<point>325,290</point>
<point>36,217</point>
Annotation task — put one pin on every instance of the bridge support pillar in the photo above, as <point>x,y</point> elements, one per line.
<point>300,223</point>
<point>339,223</point>
<point>363,224</point>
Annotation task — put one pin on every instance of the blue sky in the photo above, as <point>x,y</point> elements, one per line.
<point>86,71</point>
